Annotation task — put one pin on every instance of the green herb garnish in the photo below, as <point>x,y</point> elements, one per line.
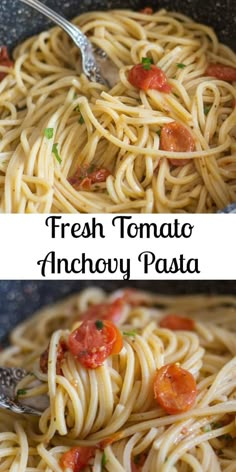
<point>104,460</point>
<point>206,109</point>
<point>91,168</point>
<point>21,391</point>
<point>180,65</point>
<point>56,153</point>
<point>99,324</point>
<point>227,437</point>
<point>48,133</point>
<point>147,62</point>
<point>206,428</point>
<point>81,120</point>
<point>130,333</point>
<point>137,459</point>
<point>159,132</point>
<point>216,425</point>
<point>175,94</point>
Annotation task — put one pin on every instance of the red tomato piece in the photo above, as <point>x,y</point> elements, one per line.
<point>43,362</point>
<point>147,11</point>
<point>105,311</point>
<point>4,61</point>
<point>153,78</point>
<point>77,458</point>
<point>222,72</point>
<point>134,467</point>
<point>94,341</point>
<point>176,322</point>
<point>176,138</point>
<point>84,177</point>
<point>174,389</point>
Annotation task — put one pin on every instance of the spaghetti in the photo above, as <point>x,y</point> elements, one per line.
<point>69,145</point>
<point>110,418</point>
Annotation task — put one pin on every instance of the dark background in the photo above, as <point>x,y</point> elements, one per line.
<point>18,21</point>
<point>19,299</point>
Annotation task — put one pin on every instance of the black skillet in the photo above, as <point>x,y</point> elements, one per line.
<point>19,299</point>
<point>18,21</point>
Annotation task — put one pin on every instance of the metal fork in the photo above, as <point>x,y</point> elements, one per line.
<point>9,378</point>
<point>90,57</point>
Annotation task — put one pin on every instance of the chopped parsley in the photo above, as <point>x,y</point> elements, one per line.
<point>227,437</point>
<point>91,168</point>
<point>81,120</point>
<point>56,153</point>
<point>48,133</point>
<point>104,460</point>
<point>206,428</point>
<point>147,62</point>
<point>180,65</point>
<point>21,391</point>
<point>206,109</point>
<point>216,425</point>
<point>159,132</point>
<point>137,459</point>
<point>130,333</point>
<point>99,324</point>
<point>175,94</point>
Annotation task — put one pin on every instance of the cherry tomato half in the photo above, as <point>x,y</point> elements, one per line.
<point>83,178</point>
<point>176,138</point>
<point>147,11</point>
<point>174,389</point>
<point>222,72</point>
<point>105,311</point>
<point>153,78</point>
<point>43,362</point>
<point>4,60</point>
<point>176,322</point>
<point>77,458</point>
<point>94,341</point>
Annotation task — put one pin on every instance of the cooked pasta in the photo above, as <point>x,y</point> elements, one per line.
<point>110,411</point>
<point>70,145</point>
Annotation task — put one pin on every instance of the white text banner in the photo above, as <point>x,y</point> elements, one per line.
<point>128,247</point>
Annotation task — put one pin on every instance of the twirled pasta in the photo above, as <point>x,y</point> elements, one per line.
<point>117,129</point>
<point>116,401</point>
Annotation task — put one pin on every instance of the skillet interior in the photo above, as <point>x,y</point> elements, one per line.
<point>19,299</point>
<point>19,21</point>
